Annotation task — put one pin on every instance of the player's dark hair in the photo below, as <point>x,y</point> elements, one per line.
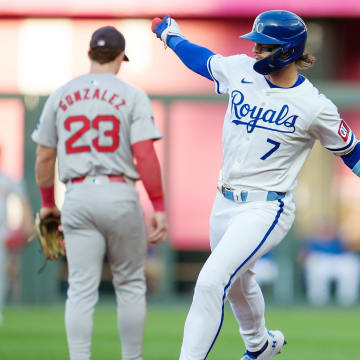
<point>103,55</point>
<point>305,61</point>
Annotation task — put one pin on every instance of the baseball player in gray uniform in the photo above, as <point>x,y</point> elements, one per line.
<point>274,116</point>
<point>9,240</point>
<point>96,125</point>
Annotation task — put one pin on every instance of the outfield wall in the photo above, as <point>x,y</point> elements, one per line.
<point>190,156</point>
<point>190,117</point>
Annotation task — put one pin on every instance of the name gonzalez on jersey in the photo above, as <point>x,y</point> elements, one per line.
<point>283,122</point>
<point>91,94</point>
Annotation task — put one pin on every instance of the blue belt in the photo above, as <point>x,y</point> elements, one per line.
<point>246,196</point>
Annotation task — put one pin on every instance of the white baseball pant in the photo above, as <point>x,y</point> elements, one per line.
<point>239,235</point>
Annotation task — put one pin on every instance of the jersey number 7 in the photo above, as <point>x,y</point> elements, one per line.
<point>87,124</point>
<point>272,150</point>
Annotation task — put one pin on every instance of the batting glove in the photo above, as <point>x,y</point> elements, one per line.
<point>167,27</point>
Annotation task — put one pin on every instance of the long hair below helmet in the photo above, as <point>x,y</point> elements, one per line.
<point>278,27</point>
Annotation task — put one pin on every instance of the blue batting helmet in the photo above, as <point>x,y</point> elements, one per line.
<point>278,27</point>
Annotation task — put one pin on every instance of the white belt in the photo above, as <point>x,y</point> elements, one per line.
<point>240,196</point>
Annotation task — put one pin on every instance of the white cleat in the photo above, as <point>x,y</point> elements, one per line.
<point>276,341</point>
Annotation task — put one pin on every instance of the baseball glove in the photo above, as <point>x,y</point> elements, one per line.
<point>48,231</point>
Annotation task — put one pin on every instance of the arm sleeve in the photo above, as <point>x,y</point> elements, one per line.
<point>45,132</point>
<point>148,166</point>
<point>195,57</point>
<point>142,123</point>
<point>333,132</point>
<point>212,66</point>
<point>352,159</point>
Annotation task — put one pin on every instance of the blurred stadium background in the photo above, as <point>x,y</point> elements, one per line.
<point>45,44</point>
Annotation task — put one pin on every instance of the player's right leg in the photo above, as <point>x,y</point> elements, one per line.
<point>126,243</point>
<point>251,230</point>
<point>85,249</point>
<point>248,305</point>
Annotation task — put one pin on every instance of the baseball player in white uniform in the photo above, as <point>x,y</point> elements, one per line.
<point>273,118</point>
<point>96,125</point>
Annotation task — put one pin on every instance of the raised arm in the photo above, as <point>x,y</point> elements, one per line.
<point>195,57</point>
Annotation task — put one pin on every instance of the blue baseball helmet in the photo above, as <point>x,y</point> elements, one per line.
<point>278,27</point>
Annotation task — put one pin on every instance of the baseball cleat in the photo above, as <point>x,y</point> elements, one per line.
<point>276,341</point>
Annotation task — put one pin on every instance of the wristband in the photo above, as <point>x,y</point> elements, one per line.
<point>47,197</point>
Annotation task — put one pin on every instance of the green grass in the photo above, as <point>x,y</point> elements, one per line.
<point>37,333</point>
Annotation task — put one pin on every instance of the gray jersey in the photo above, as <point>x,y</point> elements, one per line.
<point>92,121</point>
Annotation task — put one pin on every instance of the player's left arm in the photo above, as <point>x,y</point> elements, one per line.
<point>44,173</point>
<point>45,135</point>
<point>195,57</point>
<point>45,166</point>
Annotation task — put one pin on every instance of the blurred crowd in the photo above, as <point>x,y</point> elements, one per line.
<point>330,268</point>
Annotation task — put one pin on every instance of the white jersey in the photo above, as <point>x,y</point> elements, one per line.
<point>92,121</point>
<point>268,132</point>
